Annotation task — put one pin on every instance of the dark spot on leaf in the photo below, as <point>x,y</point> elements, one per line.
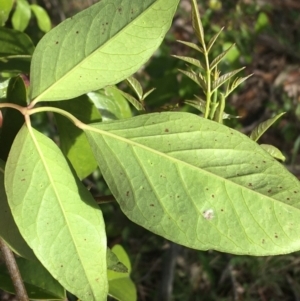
<point>166,130</point>
<point>178,196</point>
<point>270,190</point>
<point>152,205</point>
<point>153,215</point>
<point>256,166</point>
<point>22,169</point>
<point>23,180</point>
<point>212,195</point>
<point>106,23</point>
<point>127,193</point>
<point>250,184</point>
<point>263,241</point>
<point>216,140</point>
<point>206,188</point>
<point>56,42</point>
<point>276,236</point>
<point>264,161</point>
<point>61,266</point>
<point>222,210</point>
<point>77,32</point>
<point>295,191</point>
<point>288,199</point>
<point>182,220</point>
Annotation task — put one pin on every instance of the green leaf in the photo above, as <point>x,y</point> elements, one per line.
<point>260,129</point>
<point>121,286</point>
<point>138,105</point>
<point>111,103</point>
<point>21,15</point>
<point>8,228</point>
<point>39,284</point>
<point>273,151</point>
<point>12,119</point>
<point>135,86</point>
<point>213,40</point>
<point>236,83</point>
<point>56,215</point>
<point>197,78</point>
<point>190,60</point>
<point>15,51</point>
<point>114,264</point>
<point>198,104</point>
<point>224,78</point>
<point>111,39</point>
<point>199,183</point>
<point>192,45</point>
<point>42,17</point>
<point>73,142</point>
<point>219,58</point>
<point>196,22</point>
<point>5,8</point>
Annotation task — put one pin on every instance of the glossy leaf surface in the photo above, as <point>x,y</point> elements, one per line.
<point>112,39</point>
<point>226,193</point>
<point>51,209</point>
<point>39,284</point>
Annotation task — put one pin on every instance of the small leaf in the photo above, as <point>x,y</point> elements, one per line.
<point>213,39</point>
<point>73,142</point>
<point>196,22</point>
<point>136,86</point>
<point>114,264</point>
<point>191,45</point>
<point>192,75</point>
<point>39,284</point>
<point>224,78</point>
<point>111,103</point>
<point>236,83</point>
<point>133,101</point>
<point>111,40</point>
<point>273,151</point>
<point>198,104</point>
<point>260,129</point>
<point>43,20</point>
<point>219,58</point>
<point>5,8</point>
<point>56,215</point>
<point>21,15</point>
<point>190,60</point>
<point>148,93</point>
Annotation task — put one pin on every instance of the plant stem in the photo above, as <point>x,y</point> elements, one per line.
<point>22,110</point>
<point>13,271</point>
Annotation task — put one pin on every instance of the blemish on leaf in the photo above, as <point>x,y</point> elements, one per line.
<point>250,184</point>
<point>222,210</point>
<point>22,180</point>
<point>276,236</point>
<point>127,193</point>
<point>263,241</point>
<point>152,205</point>
<point>212,195</point>
<point>56,42</point>
<point>287,199</point>
<point>166,130</point>
<point>270,190</point>
<point>206,189</point>
<point>208,214</point>
<point>295,191</point>
<point>77,32</point>
<point>264,161</point>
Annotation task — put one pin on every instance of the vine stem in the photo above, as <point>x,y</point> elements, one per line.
<point>13,271</point>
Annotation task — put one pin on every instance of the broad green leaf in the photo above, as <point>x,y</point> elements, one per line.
<point>111,103</point>
<point>121,286</point>
<point>5,8</point>
<point>190,60</point>
<point>219,58</point>
<point>263,127</point>
<point>199,183</point>
<point>224,78</point>
<point>56,215</point>
<point>21,15</point>
<point>12,119</point>
<point>39,284</point>
<point>8,228</point>
<point>135,86</point>
<point>111,39</point>
<point>15,51</point>
<point>273,151</point>
<point>42,17</point>
<point>73,142</point>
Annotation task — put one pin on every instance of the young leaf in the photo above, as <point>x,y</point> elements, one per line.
<point>42,17</point>
<point>198,104</point>
<point>73,142</point>
<point>21,15</point>
<point>213,39</point>
<point>273,151</point>
<point>197,24</point>
<point>136,86</point>
<point>204,193</point>
<point>260,129</point>
<point>190,60</point>
<point>133,101</point>
<point>235,84</point>
<point>148,93</point>
<point>56,215</point>
<point>121,286</point>
<point>219,58</point>
<point>193,76</point>
<point>192,45</point>
<point>224,78</point>
<point>113,263</point>
<point>5,8</point>
<point>39,284</point>
<point>8,228</point>
<point>111,40</point>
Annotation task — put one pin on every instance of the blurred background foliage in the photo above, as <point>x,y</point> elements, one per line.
<point>266,34</point>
